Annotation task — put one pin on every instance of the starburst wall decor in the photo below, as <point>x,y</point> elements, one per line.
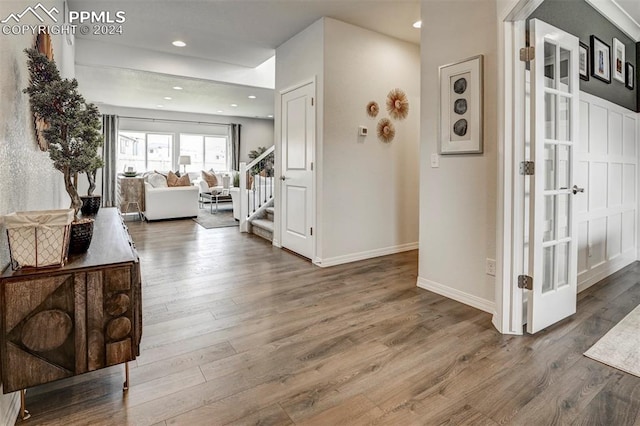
<point>397,104</point>
<point>386,130</point>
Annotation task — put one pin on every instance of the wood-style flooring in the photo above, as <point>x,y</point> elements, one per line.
<point>238,332</point>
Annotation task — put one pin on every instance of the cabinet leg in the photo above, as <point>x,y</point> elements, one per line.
<point>24,414</point>
<point>125,386</point>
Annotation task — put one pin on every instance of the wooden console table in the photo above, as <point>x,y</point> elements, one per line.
<point>61,322</point>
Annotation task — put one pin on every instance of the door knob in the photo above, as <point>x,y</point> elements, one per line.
<point>575,189</point>
<point>283,177</point>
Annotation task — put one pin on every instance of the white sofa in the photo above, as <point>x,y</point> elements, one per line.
<point>170,203</point>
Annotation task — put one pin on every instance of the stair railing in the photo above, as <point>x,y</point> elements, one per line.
<point>257,181</point>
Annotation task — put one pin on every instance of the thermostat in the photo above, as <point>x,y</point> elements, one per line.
<point>363,131</point>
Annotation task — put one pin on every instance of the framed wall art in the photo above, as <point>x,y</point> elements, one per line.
<point>618,60</point>
<point>461,100</point>
<point>630,72</point>
<point>600,60</point>
<point>583,61</point>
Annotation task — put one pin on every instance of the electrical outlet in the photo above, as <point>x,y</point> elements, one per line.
<point>491,267</point>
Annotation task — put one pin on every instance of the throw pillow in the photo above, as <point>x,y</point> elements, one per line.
<point>210,178</point>
<point>172,179</point>
<point>157,180</point>
<point>183,181</point>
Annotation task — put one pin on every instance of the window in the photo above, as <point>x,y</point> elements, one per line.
<point>145,151</point>
<point>206,152</point>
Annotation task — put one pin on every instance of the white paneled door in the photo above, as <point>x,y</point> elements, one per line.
<point>553,233</point>
<point>298,146</point>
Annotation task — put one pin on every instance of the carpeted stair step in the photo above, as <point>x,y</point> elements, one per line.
<point>263,228</point>
<point>270,213</point>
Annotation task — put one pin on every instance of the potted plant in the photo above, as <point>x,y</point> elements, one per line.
<point>72,130</point>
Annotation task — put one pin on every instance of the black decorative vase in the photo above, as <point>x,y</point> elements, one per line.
<point>90,204</point>
<point>81,234</point>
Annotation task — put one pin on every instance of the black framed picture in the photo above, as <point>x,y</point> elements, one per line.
<point>630,73</point>
<point>583,61</point>
<point>600,60</point>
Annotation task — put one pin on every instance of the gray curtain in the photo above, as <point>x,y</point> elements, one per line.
<point>234,139</point>
<point>109,151</point>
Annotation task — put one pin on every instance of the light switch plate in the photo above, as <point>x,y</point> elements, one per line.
<point>435,160</point>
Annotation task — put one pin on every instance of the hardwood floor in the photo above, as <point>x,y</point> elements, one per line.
<point>238,332</point>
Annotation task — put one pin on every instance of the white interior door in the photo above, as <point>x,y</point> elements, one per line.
<point>553,231</point>
<point>298,145</point>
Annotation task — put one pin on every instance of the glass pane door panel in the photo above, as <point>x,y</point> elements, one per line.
<point>548,260</point>
<point>564,113</point>
<point>550,65</point>
<point>549,218</point>
<point>562,204</point>
<point>550,116</point>
<point>549,167</point>
<point>565,69</point>
<point>563,176</point>
<point>563,264</point>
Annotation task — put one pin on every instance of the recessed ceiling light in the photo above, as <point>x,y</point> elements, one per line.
<point>251,97</point>
<point>220,111</point>
<point>177,88</point>
<point>179,43</point>
<point>270,115</point>
<point>234,105</point>
<point>167,98</point>
<point>417,24</point>
<point>160,106</point>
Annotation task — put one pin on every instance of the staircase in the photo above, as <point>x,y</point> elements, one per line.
<point>262,225</point>
<point>257,190</point>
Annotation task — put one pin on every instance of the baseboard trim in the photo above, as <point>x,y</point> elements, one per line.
<point>605,269</point>
<point>457,295</point>
<point>363,255</point>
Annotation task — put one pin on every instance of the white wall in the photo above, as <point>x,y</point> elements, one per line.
<point>300,59</point>
<point>607,169</point>
<point>366,191</point>
<point>370,198</point>
<point>28,180</point>
<point>458,199</point>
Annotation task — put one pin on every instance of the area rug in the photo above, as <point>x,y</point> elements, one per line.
<point>620,347</point>
<point>222,219</point>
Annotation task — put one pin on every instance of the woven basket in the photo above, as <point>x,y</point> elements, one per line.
<point>38,238</point>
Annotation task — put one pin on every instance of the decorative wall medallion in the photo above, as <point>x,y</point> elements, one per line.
<point>397,104</point>
<point>373,109</point>
<point>386,131</point>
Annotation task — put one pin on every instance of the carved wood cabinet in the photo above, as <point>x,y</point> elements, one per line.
<point>61,322</point>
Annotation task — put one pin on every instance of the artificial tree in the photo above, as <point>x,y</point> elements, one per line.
<point>72,126</point>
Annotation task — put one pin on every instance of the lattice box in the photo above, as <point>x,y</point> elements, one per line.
<point>38,238</point>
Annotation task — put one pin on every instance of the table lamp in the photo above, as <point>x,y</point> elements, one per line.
<point>184,160</point>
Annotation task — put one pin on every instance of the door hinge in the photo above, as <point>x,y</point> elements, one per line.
<point>312,166</point>
<point>527,168</point>
<point>311,101</point>
<point>525,281</point>
<point>311,230</point>
<point>527,54</point>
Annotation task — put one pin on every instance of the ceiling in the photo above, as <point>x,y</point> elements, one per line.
<point>632,7</point>
<point>229,52</point>
<point>229,46</point>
